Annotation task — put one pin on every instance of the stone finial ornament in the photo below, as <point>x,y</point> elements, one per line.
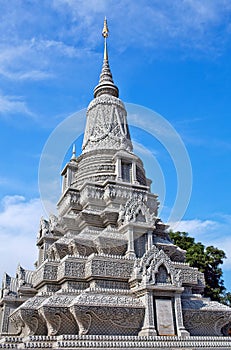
<point>106,84</point>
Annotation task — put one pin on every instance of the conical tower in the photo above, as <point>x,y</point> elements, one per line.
<point>106,133</point>
<point>106,127</point>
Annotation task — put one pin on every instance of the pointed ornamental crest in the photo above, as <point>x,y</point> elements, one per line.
<point>106,84</point>
<point>155,268</point>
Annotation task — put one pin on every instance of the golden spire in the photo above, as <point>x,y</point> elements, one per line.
<point>106,84</point>
<point>105,30</point>
<point>105,33</point>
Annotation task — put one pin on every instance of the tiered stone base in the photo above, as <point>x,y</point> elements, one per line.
<point>98,342</point>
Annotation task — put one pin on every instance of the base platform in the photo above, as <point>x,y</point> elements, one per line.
<point>98,342</point>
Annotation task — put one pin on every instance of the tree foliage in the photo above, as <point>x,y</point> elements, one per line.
<point>208,260</point>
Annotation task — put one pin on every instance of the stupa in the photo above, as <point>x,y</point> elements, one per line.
<point>107,275</point>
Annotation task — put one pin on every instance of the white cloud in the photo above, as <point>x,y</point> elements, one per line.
<point>36,39</point>
<point>23,62</point>
<point>215,232</point>
<point>4,181</point>
<point>29,75</point>
<point>14,105</point>
<point>143,151</point>
<point>194,227</point>
<point>36,59</point>
<point>54,46</point>
<point>19,224</point>
<point>172,23</point>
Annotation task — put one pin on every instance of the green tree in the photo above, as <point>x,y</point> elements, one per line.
<point>207,260</point>
<point>227,299</point>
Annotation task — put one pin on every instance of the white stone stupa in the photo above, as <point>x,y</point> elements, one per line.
<point>107,275</point>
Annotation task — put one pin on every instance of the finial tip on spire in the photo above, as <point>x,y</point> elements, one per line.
<point>73,152</point>
<point>106,84</point>
<point>105,31</point>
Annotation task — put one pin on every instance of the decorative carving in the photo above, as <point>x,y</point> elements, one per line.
<point>81,247</point>
<point>26,319</point>
<point>106,100</point>
<point>100,299</point>
<point>156,267</point>
<point>99,267</point>
<point>205,317</point>
<point>71,269</point>
<point>5,320</point>
<point>44,227</point>
<point>106,125</point>
<point>91,192</point>
<point>50,272</point>
<point>107,320</point>
<point>53,223</point>
<point>111,284</point>
<point>74,197</point>
<point>17,323</point>
<point>181,331</point>
<point>205,322</point>
<point>58,318</point>
<point>34,324</point>
<point>136,210</point>
<point>59,300</point>
<point>188,275</point>
<point>47,271</point>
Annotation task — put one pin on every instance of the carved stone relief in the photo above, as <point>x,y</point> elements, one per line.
<point>156,267</point>
<point>106,125</point>
<point>107,320</point>
<point>136,210</point>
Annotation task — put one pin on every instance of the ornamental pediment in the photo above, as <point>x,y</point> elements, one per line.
<point>156,268</point>
<point>136,210</point>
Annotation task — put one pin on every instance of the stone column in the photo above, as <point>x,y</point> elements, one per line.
<point>118,169</point>
<point>134,179</point>
<point>5,313</point>
<point>68,177</point>
<point>181,331</point>
<point>150,240</point>
<point>130,250</point>
<point>149,317</point>
<point>41,255</point>
<point>64,184</point>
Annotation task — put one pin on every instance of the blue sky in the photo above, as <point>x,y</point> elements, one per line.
<point>172,57</point>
